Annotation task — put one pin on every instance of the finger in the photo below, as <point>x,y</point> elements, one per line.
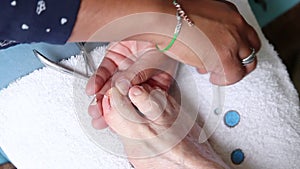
<point>229,72</point>
<point>145,68</point>
<point>230,4</point>
<point>145,45</point>
<point>136,74</point>
<point>164,79</point>
<point>136,48</point>
<point>256,44</point>
<point>245,52</point>
<point>250,67</point>
<point>151,104</point>
<point>106,87</point>
<point>133,45</point>
<point>201,70</point>
<point>234,77</point>
<point>121,60</point>
<point>90,88</point>
<point>123,48</point>
<point>110,64</point>
<point>103,73</point>
<point>253,39</point>
<point>161,81</point>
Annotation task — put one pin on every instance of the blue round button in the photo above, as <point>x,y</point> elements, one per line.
<point>232,118</point>
<point>237,156</point>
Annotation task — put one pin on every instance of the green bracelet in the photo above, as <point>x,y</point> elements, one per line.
<point>180,14</point>
<point>176,33</point>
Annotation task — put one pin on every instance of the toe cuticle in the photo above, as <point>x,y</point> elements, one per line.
<point>137,91</point>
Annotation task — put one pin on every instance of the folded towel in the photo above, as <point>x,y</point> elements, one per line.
<point>39,126</point>
<point>43,124</point>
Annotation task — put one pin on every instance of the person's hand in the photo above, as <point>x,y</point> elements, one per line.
<point>231,36</point>
<point>224,39</point>
<point>125,64</point>
<point>228,32</point>
<point>158,134</point>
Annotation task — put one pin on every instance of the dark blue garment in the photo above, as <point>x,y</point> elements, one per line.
<point>24,21</point>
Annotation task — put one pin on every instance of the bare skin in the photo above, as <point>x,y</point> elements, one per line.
<point>220,21</point>
<point>126,64</point>
<point>123,62</point>
<point>155,121</point>
<point>230,35</point>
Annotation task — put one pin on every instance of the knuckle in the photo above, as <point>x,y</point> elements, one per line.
<point>238,20</point>
<point>99,80</point>
<point>226,54</point>
<point>256,41</point>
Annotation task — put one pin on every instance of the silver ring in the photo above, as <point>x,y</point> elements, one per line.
<point>250,58</point>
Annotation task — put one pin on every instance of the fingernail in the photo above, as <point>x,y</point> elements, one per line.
<point>123,86</point>
<point>94,101</point>
<point>108,101</point>
<point>136,91</point>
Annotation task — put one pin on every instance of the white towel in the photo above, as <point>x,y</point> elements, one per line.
<point>40,128</point>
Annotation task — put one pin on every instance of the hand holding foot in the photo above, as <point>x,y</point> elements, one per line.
<point>125,64</point>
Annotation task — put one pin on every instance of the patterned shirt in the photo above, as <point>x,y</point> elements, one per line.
<point>24,21</point>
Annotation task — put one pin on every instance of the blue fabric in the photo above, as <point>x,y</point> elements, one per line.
<point>3,157</point>
<point>18,61</point>
<point>50,21</point>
